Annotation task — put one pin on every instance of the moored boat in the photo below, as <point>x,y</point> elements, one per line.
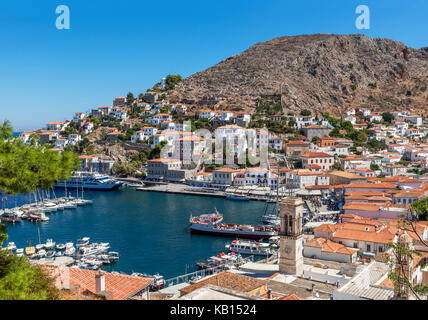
<point>90,181</point>
<point>250,247</point>
<point>211,224</point>
<point>236,196</point>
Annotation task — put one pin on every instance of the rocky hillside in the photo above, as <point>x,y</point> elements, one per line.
<point>318,72</point>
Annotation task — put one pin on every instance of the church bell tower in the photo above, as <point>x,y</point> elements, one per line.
<point>291,245</point>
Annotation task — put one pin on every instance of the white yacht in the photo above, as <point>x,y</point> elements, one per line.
<point>90,181</point>
<point>250,247</point>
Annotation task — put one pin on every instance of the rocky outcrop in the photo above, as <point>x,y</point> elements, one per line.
<point>318,72</point>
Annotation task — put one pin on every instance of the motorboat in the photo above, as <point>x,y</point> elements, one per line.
<point>20,252</point>
<point>40,246</point>
<point>104,258</point>
<point>87,251</point>
<point>92,261</point>
<point>49,244</point>
<point>69,245</point>
<point>50,254</point>
<point>70,205</point>
<point>11,246</point>
<point>70,251</point>
<point>59,254</point>
<point>60,246</point>
<point>90,181</point>
<point>250,247</point>
<point>41,253</point>
<point>236,196</point>
<point>83,242</point>
<point>30,250</point>
<point>113,256</point>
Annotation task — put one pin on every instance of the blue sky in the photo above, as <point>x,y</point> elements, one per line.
<point>114,47</point>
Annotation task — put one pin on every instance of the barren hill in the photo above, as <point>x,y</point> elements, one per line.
<point>318,72</point>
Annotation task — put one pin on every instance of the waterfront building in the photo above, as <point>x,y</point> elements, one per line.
<point>224,177</point>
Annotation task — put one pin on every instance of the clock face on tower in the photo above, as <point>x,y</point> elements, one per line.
<point>287,250</point>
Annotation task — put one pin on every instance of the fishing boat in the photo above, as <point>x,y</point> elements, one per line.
<point>92,262</point>
<point>236,196</point>
<point>158,280</point>
<point>250,247</point>
<point>59,254</point>
<point>60,246</point>
<point>69,245</point>
<point>113,256</point>
<point>104,258</point>
<point>90,181</point>
<point>70,251</point>
<point>82,242</point>
<point>20,252</point>
<point>87,251</point>
<point>30,250</point>
<point>41,253</point>
<point>49,244</point>
<point>9,217</point>
<point>50,254</point>
<point>11,246</point>
<point>212,224</point>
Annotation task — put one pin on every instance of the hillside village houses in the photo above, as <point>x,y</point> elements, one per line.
<point>374,188</point>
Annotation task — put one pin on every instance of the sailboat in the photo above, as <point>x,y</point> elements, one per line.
<point>272,218</point>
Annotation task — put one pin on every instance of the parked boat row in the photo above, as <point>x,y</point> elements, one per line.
<point>226,261</point>
<point>87,255</point>
<point>37,211</point>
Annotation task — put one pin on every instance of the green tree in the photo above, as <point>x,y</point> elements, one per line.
<point>172,81</point>
<point>387,117</point>
<point>19,280</point>
<point>305,112</point>
<point>130,98</point>
<point>421,208</point>
<point>24,169</point>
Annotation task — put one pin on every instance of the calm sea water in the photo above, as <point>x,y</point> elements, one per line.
<point>148,229</point>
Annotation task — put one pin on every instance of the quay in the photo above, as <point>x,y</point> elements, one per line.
<point>251,192</point>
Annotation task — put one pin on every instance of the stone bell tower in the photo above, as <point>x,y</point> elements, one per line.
<point>291,246</point>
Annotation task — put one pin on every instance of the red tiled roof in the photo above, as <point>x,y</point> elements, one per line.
<point>120,285</point>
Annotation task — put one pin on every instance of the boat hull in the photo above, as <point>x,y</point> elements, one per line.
<point>87,187</point>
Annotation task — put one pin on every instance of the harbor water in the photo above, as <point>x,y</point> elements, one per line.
<point>150,230</point>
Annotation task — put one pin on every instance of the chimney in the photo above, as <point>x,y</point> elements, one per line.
<point>100,282</point>
<point>269,294</point>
